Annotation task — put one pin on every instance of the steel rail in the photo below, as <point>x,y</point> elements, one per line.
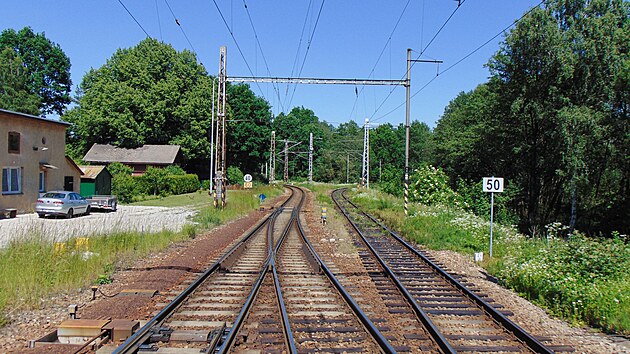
<point>268,265</point>
<point>386,347</point>
<point>436,335</point>
<point>512,327</point>
<point>286,324</point>
<point>132,344</point>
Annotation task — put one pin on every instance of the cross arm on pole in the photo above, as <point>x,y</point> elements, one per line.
<point>318,81</point>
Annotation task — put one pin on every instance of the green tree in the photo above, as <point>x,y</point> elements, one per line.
<point>561,78</point>
<point>459,138</point>
<point>249,132</point>
<point>419,144</point>
<point>14,93</point>
<point>296,127</point>
<point>148,94</point>
<point>47,67</point>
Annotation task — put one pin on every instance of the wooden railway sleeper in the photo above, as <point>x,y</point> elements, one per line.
<point>496,315</point>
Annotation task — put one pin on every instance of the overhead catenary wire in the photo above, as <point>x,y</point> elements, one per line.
<point>459,4</point>
<point>463,58</point>
<point>157,10</point>
<point>134,18</point>
<point>180,26</point>
<point>299,46</point>
<point>237,45</point>
<point>251,22</point>
<point>308,47</point>
<point>389,39</point>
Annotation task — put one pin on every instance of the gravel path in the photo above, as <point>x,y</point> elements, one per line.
<point>126,218</point>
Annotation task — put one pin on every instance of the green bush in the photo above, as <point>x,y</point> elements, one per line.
<point>392,181</point>
<point>234,175</point>
<point>429,186</point>
<point>584,280</point>
<point>117,168</point>
<point>475,200</point>
<point>155,178</point>
<point>124,187</point>
<point>180,184</point>
<point>174,170</point>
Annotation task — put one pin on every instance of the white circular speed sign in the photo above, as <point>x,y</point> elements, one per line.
<point>247,178</point>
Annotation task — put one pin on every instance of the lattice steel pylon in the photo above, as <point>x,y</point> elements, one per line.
<point>220,175</point>
<point>310,158</point>
<point>286,160</point>
<point>272,158</point>
<point>365,171</point>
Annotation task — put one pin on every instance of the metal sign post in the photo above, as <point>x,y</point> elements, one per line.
<point>492,185</point>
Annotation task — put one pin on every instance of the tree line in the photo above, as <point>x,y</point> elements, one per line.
<point>552,119</point>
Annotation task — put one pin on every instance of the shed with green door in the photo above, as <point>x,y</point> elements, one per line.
<point>96,180</point>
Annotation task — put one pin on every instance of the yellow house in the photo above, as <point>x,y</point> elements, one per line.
<point>33,160</point>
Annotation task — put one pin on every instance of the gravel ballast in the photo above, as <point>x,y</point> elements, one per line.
<point>205,249</point>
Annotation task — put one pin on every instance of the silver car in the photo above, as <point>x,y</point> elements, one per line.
<point>63,203</point>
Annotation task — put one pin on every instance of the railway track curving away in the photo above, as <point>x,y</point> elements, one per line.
<point>269,293</point>
<point>451,312</point>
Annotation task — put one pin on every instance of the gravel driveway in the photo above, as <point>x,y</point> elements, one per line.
<point>126,218</point>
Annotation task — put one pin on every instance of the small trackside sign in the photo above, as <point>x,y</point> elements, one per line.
<point>493,184</point>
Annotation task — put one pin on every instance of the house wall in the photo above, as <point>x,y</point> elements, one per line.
<point>35,134</point>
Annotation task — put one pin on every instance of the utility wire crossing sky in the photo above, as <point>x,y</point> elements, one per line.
<point>314,39</point>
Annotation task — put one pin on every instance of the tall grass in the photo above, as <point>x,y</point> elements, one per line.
<point>582,280</point>
<point>35,266</point>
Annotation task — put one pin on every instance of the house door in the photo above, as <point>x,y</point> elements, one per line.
<point>68,183</point>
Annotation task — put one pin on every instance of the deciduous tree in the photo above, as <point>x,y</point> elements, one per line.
<point>14,93</point>
<point>47,67</point>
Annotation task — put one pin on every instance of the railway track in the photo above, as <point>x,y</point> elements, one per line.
<point>459,319</point>
<point>269,293</point>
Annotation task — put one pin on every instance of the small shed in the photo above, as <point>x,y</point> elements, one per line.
<point>96,180</point>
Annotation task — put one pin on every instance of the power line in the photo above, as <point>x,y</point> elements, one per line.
<point>262,52</point>
<point>459,4</point>
<point>389,39</point>
<point>180,26</point>
<point>157,10</point>
<point>297,53</point>
<point>464,58</point>
<point>132,16</point>
<point>236,43</point>
<point>308,47</point>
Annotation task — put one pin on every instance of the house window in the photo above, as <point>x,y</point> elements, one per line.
<point>42,181</point>
<point>14,143</point>
<point>11,180</point>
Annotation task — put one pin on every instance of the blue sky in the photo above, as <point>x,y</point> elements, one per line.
<point>347,41</point>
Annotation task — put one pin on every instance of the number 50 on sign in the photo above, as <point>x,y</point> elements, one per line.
<point>493,184</point>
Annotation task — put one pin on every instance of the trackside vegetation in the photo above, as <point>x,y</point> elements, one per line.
<point>37,267</point>
<point>581,279</point>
